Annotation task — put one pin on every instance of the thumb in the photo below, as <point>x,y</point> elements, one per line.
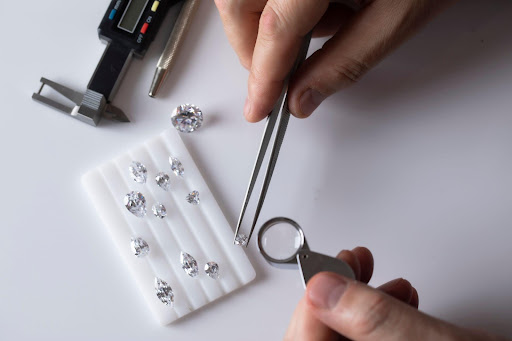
<point>360,312</point>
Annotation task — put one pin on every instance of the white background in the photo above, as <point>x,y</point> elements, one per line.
<point>414,162</point>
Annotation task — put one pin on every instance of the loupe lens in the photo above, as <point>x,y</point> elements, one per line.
<point>281,241</point>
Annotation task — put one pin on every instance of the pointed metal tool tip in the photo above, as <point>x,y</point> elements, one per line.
<point>157,82</point>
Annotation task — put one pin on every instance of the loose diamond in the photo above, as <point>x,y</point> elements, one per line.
<point>159,210</point>
<point>138,172</point>
<point>189,264</point>
<point>241,239</point>
<point>176,166</point>
<point>163,180</point>
<point>212,269</point>
<point>164,292</point>
<point>187,118</point>
<point>139,247</point>
<point>193,198</point>
<point>135,203</point>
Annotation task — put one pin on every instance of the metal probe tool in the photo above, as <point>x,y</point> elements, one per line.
<point>168,57</point>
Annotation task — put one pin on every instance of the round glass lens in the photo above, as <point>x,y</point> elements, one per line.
<point>281,241</point>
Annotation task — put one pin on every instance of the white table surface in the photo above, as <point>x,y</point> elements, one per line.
<point>414,163</point>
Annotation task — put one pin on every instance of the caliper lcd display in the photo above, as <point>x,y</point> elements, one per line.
<point>132,14</point>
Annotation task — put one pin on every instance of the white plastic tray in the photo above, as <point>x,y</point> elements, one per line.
<point>200,230</point>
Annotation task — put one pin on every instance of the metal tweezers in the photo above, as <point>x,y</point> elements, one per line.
<point>282,112</point>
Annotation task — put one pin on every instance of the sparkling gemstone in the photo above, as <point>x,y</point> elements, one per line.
<point>187,118</point>
<point>164,292</point>
<point>139,247</point>
<point>212,269</point>
<point>189,264</point>
<point>135,203</point>
<point>176,166</point>
<point>193,198</point>
<point>138,172</point>
<point>163,180</point>
<point>159,210</point>
<point>241,239</point>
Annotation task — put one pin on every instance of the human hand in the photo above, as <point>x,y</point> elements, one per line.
<point>334,307</point>
<point>266,35</point>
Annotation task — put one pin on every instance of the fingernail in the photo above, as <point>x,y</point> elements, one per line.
<point>325,291</point>
<point>247,107</point>
<point>309,101</point>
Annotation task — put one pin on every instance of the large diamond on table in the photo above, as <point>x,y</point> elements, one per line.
<point>189,264</point>
<point>139,246</point>
<point>212,269</point>
<point>138,172</point>
<point>135,203</point>
<point>164,292</point>
<point>187,118</point>
<point>176,166</point>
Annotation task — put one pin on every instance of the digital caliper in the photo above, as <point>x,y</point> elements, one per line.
<point>128,27</point>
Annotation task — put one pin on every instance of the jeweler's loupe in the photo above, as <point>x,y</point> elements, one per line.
<point>282,243</point>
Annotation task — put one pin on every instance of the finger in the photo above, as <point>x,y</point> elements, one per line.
<point>368,36</point>
<point>305,326</point>
<point>332,20</point>
<point>365,258</point>
<point>283,24</point>
<point>240,20</point>
<point>360,312</point>
<point>415,301</point>
<point>351,259</point>
<point>398,288</point>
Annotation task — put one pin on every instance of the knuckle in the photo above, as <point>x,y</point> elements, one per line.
<point>374,317</point>
<point>272,22</point>
<point>259,79</point>
<point>349,70</point>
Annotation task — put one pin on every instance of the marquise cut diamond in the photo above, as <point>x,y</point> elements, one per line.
<point>164,292</point>
<point>176,166</point>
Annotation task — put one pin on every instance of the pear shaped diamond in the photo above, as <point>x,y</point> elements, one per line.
<point>135,203</point>
<point>164,292</point>
<point>176,166</point>
<point>189,264</point>
<point>193,198</point>
<point>138,172</point>
<point>187,118</point>
<point>159,210</point>
<point>139,247</point>
<point>212,269</point>
<point>163,181</point>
